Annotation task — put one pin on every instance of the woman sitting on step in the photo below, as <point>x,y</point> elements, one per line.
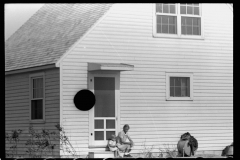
<point>125,142</point>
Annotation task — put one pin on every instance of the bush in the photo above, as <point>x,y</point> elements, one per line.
<point>40,144</point>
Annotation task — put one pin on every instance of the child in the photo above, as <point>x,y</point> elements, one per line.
<point>112,144</point>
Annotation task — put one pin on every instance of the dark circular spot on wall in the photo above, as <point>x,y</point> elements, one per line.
<point>84,100</point>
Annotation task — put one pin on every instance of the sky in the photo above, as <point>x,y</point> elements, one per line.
<point>16,14</point>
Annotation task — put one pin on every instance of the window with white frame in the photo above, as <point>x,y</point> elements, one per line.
<point>179,86</point>
<point>37,97</point>
<point>166,18</point>
<point>177,20</point>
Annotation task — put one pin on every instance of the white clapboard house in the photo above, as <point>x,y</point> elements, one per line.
<point>164,69</point>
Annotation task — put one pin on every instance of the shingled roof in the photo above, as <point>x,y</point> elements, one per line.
<point>49,33</point>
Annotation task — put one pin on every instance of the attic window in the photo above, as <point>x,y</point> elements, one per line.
<point>178,20</point>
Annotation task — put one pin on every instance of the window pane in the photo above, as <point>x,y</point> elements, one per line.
<point>183,9</point>
<point>164,19</point>
<point>196,31</point>
<point>195,21</point>
<point>38,93</point>
<point>171,81</point>
<point>183,30</point>
<point>37,88</point>
<point>199,31</point>
<point>189,30</point>
<point>164,23</point>
<point>99,124</point>
<point>184,81</point>
<point>196,4</point>
<point>98,135</point>
<point>177,81</point>
<point>104,90</point>
<point>165,8</point>
<point>159,19</point>
<point>189,10</point>
<point>183,91</point>
<point>199,23</point>
<point>108,134</point>
<point>172,9</point>
<point>38,83</point>
<point>196,10</point>
<point>34,93</point>
<point>188,87</point>
<point>171,20</point>
<point>159,7</point>
<point>189,21</point>
<point>193,26</point>
<point>171,91</point>
<point>177,92</point>
<point>183,20</point>
<point>34,83</point>
<point>181,88</point>
<point>185,86</point>
<point>172,29</point>
<point>159,28</point>
<point>164,28</point>
<point>37,109</point>
<point>110,124</point>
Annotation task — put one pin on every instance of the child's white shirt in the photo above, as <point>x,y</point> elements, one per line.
<point>111,142</point>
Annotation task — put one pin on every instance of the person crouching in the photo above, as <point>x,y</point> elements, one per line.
<point>125,142</point>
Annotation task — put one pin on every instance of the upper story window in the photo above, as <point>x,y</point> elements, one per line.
<point>37,97</point>
<point>166,18</point>
<point>175,20</point>
<point>190,19</point>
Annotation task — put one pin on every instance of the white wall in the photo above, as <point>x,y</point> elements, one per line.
<point>125,36</point>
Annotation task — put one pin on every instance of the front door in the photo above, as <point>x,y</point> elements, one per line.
<point>103,116</point>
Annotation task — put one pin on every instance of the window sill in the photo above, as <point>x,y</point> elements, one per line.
<point>37,121</point>
<point>179,99</point>
<point>177,36</point>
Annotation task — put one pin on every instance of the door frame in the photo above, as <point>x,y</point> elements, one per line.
<point>91,76</point>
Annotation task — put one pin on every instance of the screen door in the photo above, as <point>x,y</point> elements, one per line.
<point>104,111</point>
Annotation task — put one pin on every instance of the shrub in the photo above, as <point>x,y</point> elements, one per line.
<point>13,139</point>
<point>65,144</point>
<point>40,144</point>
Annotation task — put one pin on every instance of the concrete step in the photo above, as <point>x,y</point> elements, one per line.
<point>101,154</point>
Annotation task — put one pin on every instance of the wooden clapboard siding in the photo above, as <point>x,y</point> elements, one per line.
<point>125,35</point>
<point>17,106</point>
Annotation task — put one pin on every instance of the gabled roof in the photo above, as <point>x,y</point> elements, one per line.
<point>49,33</point>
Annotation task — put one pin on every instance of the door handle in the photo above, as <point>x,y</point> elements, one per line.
<point>91,134</point>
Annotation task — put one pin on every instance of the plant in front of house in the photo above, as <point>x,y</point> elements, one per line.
<point>161,151</point>
<point>13,139</point>
<point>146,152</point>
<point>170,150</point>
<point>65,144</point>
<point>40,144</point>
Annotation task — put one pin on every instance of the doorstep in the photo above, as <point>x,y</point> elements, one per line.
<point>101,154</point>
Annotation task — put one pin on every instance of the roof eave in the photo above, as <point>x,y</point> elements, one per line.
<point>31,69</point>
